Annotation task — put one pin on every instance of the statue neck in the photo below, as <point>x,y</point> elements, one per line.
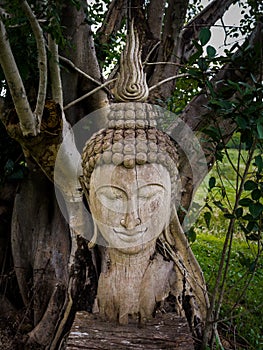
<point>117,256</point>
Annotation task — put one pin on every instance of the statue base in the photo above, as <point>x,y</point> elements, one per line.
<point>166,331</point>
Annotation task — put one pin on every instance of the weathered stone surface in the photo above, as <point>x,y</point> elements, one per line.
<point>166,331</point>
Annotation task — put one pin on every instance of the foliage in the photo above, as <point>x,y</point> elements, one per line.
<point>237,197</point>
<point>234,205</point>
<point>193,8</point>
<point>240,319</point>
<point>252,12</point>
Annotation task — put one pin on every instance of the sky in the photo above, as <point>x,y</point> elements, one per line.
<point>231,18</point>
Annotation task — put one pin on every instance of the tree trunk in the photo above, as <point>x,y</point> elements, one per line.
<point>40,245</point>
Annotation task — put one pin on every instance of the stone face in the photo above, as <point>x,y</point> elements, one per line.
<point>130,206</point>
<point>166,331</point>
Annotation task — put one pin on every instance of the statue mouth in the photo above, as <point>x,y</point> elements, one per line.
<point>130,235</point>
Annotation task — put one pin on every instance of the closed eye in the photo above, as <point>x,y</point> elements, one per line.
<point>150,191</point>
<point>111,193</point>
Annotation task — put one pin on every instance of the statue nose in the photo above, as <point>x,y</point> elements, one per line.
<point>131,217</point>
<point>130,221</point>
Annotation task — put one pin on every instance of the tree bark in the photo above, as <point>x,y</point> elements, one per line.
<point>42,62</point>
<point>112,22</point>
<point>40,246</point>
<point>82,53</point>
<point>28,122</point>
<point>168,50</point>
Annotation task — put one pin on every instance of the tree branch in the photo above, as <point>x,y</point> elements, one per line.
<point>56,83</point>
<point>197,116</point>
<point>81,98</point>
<point>16,86</point>
<point>177,44</point>
<point>206,18</point>
<point>85,75</point>
<point>42,62</point>
<point>174,20</point>
<point>232,71</point>
<point>112,20</point>
<point>174,77</point>
<point>155,11</point>
<point>83,56</point>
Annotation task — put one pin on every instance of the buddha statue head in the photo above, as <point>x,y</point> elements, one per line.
<point>131,181</point>
<point>130,178</point>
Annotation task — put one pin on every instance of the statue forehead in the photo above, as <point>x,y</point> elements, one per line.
<point>139,175</point>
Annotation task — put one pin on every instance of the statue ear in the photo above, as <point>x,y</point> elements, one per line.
<point>174,230</point>
<point>93,240</point>
<point>167,232</point>
<point>169,236</point>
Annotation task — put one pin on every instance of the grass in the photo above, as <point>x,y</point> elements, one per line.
<point>242,309</point>
<point>241,315</point>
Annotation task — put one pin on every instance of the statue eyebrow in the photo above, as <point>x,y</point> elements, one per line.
<point>151,184</point>
<point>111,186</point>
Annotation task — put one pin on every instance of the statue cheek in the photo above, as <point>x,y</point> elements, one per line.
<point>154,205</point>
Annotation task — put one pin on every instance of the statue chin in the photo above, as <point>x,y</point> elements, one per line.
<point>128,243</point>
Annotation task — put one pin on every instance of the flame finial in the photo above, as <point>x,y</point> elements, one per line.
<point>131,82</point>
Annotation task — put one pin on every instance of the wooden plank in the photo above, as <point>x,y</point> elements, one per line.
<point>163,332</point>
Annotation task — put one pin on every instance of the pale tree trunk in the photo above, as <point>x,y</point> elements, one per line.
<point>40,245</point>
<point>44,246</point>
<point>17,90</point>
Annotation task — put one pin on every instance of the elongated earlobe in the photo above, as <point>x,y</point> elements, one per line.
<point>168,236</point>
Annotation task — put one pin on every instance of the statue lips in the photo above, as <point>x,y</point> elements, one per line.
<point>130,236</point>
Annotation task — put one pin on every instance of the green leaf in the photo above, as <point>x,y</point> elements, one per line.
<point>195,73</point>
<point>211,51</point>
<point>256,209</point>
<point>198,47</point>
<point>260,129</point>
<point>245,202</point>
<point>204,36</point>
<point>253,237</point>
<point>211,88</point>
<point>256,194</point>
<point>207,217</point>
<point>197,54</point>
<point>241,122</point>
<point>239,212</point>
<point>251,226</point>
<point>243,228</point>
<point>212,182</point>
<point>202,64</point>
<point>235,85</point>
<point>248,217</point>
<point>191,235</point>
<point>250,185</point>
<point>259,163</point>
<point>229,216</point>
